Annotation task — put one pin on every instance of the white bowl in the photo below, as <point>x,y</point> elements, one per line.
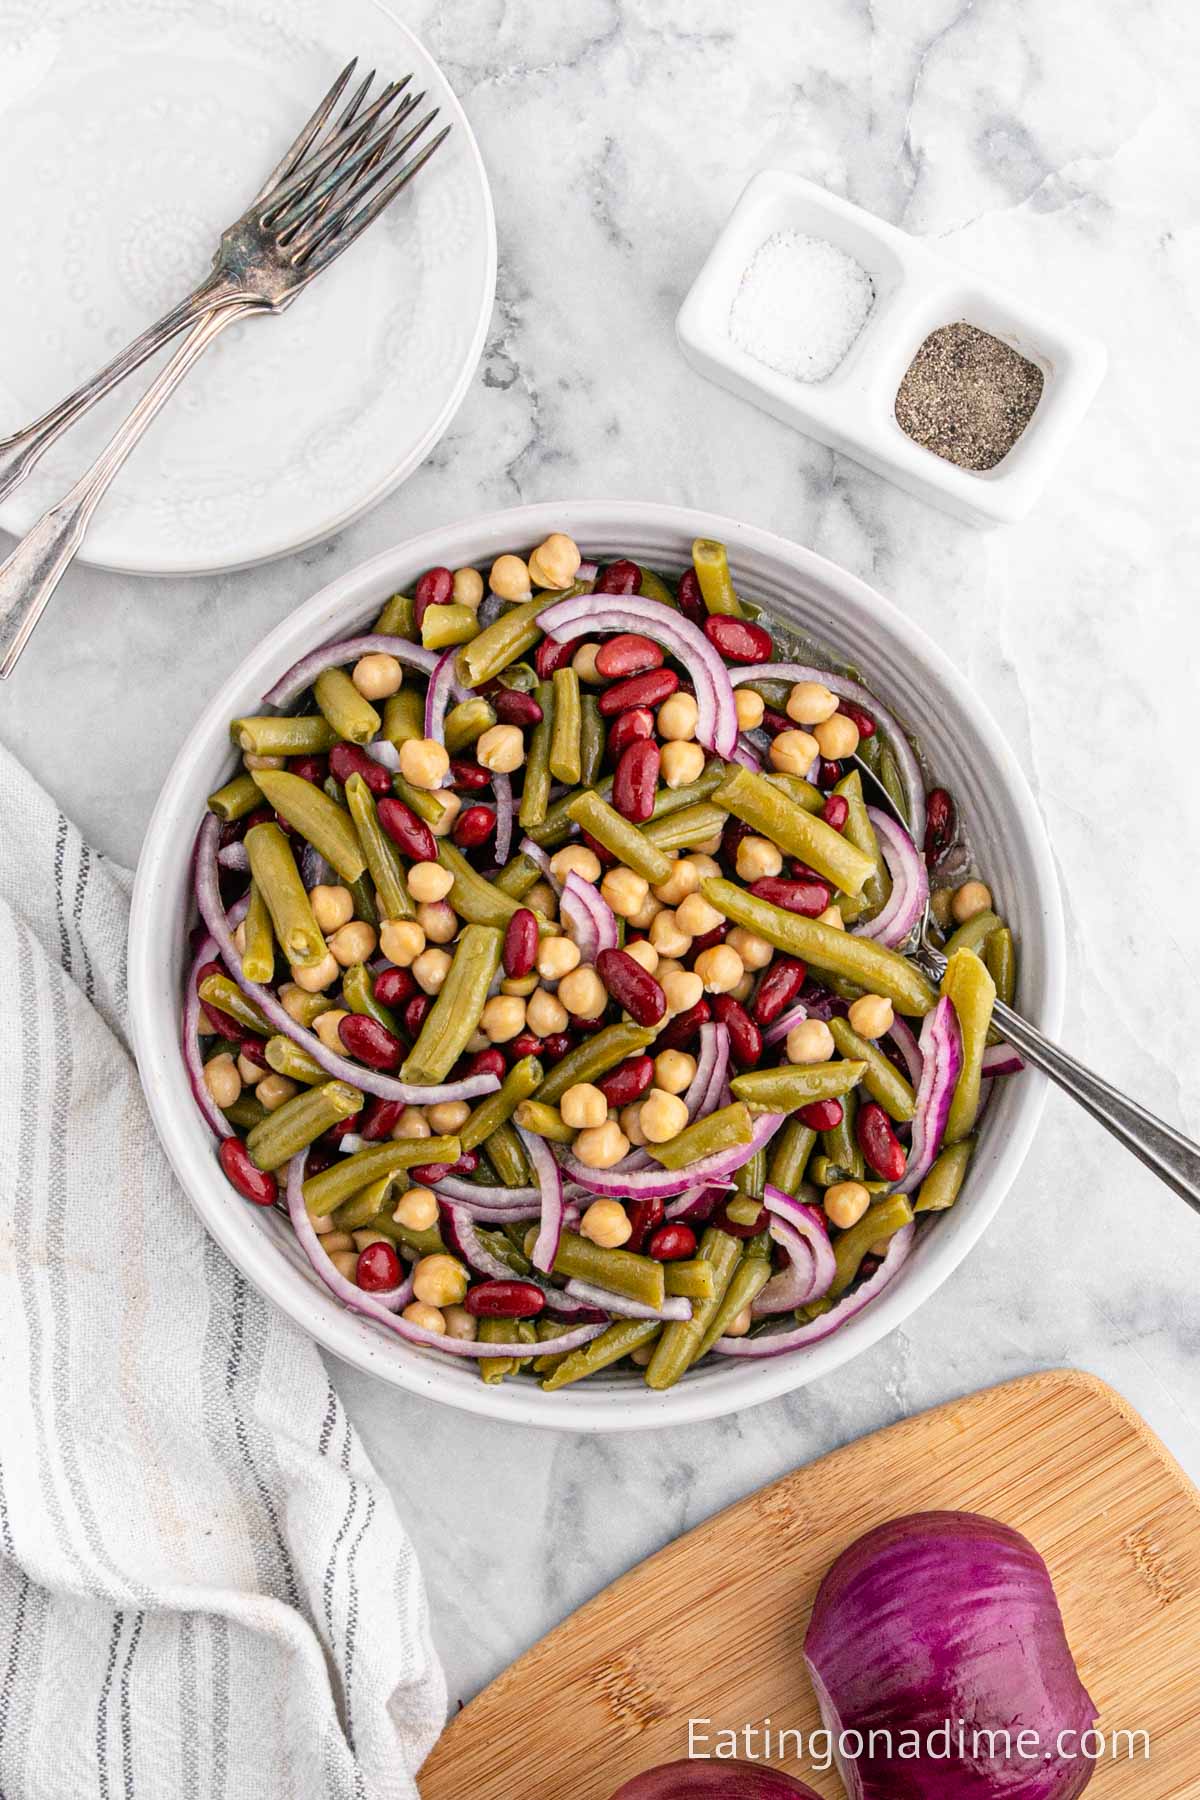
<point>963,747</point>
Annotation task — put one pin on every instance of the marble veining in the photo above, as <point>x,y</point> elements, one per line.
<point>1053,148</point>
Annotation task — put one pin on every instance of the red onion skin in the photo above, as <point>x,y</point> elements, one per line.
<point>691,1779</point>
<point>948,1616</point>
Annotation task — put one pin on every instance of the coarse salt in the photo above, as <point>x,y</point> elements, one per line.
<point>800,305</point>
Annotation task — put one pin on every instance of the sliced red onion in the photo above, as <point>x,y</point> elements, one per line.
<point>698,1203</point>
<point>905,1040</point>
<point>505,814</point>
<point>905,905</point>
<point>208,899</point>
<point>588,614</point>
<point>368,1305</point>
<point>473,1194</point>
<point>783,1342</point>
<point>385,753</point>
<point>541,1161</point>
<point>745,753</point>
<point>541,859</point>
<point>587,571</point>
<point>703,1091</point>
<point>845,689</point>
<point>590,921</point>
<point>314,870</point>
<point>664,1184</point>
<point>940,1045</point>
<point>1001,1059</point>
<point>351,1144</point>
<point>236,857</point>
<point>459,1230</point>
<point>293,682</point>
<point>674,1307</point>
<point>193,1061</point>
<point>795,1015</point>
<point>800,1231</point>
<point>437,698</point>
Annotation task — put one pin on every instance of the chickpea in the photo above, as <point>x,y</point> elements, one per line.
<point>845,1203</point>
<point>273,1090</point>
<point>319,976</point>
<point>720,968</point>
<point>811,1041</point>
<point>362,1239</point>
<point>354,943</point>
<point>509,578</point>
<point>543,899</point>
<point>631,1124</point>
<point>677,719</point>
<point>663,1116</point>
<point>445,1116</point>
<point>438,920</point>
<point>477,1042</point>
<point>871,1015</point>
<point>294,1000</point>
<point>430,969</point>
<point>644,954</point>
<point>417,1208</point>
<point>555,563</point>
<point>326,1028</point>
<point>458,1321</point>
<point>711,845</point>
<point>501,748</point>
<point>322,1226</point>
<point>673,1071</point>
<point>427,1317</point>
<point>682,881</point>
<point>695,916</point>
<point>222,1080</point>
<point>428,881</point>
<point>705,865</point>
<point>744,988</point>
<point>346,1263</point>
<point>337,1240</point>
<point>584,664</point>
<point>832,916</point>
<point>503,1017</point>
<point>682,989</point>
<point>239,939</point>
<point>377,675</point>
<point>520,985</point>
<point>940,902</point>
<point>972,898</point>
<point>756,857</point>
<point>837,736</point>
<point>668,965</point>
<point>440,1280</point>
<point>424,762</point>
<point>583,1106</point>
<point>624,891</point>
<point>739,1325</point>
<point>556,957</point>
<point>468,588</point>
<point>575,859</point>
<point>606,1222</point>
<point>254,760</point>
<point>545,1013</point>
<point>668,937</point>
<point>754,951</point>
<point>750,708</point>
<point>599,1147</point>
<point>646,913</point>
<point>583,993</point>
<point>250,1072</point>
<point>794,752</point>
<point>811,702</point>
<point>206,1028</point>
<point>681,764</point>
<point>451,807</point>
<point>332,907</point>
<point>412,1123</point>
<point>401,941</point>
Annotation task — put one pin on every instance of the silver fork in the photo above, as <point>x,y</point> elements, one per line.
<point>322,195</point>
<point>1173,1158</point>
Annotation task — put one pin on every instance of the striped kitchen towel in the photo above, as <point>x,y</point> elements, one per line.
<point>205,1592</point>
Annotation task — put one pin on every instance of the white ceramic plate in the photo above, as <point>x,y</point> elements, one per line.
<point>133,132</point>
<point>963,746</point>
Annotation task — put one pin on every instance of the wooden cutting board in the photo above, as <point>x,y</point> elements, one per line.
<point>712,1627</point>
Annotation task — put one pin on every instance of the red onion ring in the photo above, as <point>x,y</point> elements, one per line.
<point>214,1118</point>
<point>783,1342</point>
<point>674,1308</point>
<point>1001,1059</point>
<point>906,903</point>
<point>796,1227</point>
<point>795,1015</point>
<point>905,1040</point>
<point>505,814</point>
<point>940,1045</point>
<point>473,1194</point>
<point>696,1203</point>
<point>293,682</point>
<point>664,1184</point>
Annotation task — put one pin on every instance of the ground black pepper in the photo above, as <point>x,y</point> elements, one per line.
<point>967,396</point>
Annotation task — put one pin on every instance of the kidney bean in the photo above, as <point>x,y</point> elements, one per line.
<point>778,986</point>
<point>836,811</point>
<point>636,780</point>
<point>691,600</point>
<point>411,834</point>
<point>642,690</point>
<point>707,939</point>
<point>473,826</point>
<point>738,640</point>
<point>621,577</point>
<point>723,1221</point>
<point>939,824</point>
<point>555,1047</point>
<point>526,1043</point>
<point>879,1144</point>
<point>808,898</point>
<point>380,1118</point>
<point>254,1051</point>
<point>821,1115</point>
<point>601,852</point>
<point>512,707</point>
<point>504,1300</point>
<point>864,721</point>
<point>630,727</point>
<point>427,1174</point>
<point>468,774</point>
<point>232,832</point>
<point>627,654</point>
<point>435,588</point>
<point>394,986</point>
<point>346,760</point>
<point>378,1269</point>
<point>343,1128</point>
<point>550,656</point>
<point>258,1185</point>
<point>628,1081</point>
<point>678,1032</point>
<point>732,833</point>
<point>370,1041</point>
<point>745,1039</point>
<point>671,1242</point>
<point>774,722</point>
<point>486,1062</point>
<point>312,768</point>
<point>223,1021</point>
<point>828,774</point>
<point>520,943</point>
<point>321,1156</point>
<point>631,987</point>
<point>645,1216</point>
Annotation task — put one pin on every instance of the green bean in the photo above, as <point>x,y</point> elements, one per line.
<point>422,1243</point>
<point>506,639</point>
<point>472,896</point>
<point>676,1349</point>
<point>314,815</point>
<point>547,1330</point>
<point>859,959</point>
<point>213,1045</point>
<point>594,1057</point>
<point>305,1008</point>
<point>750,1178</point>
<point>747,1282</point>
<point>653,587</point>
<point>611,1345</point>
<point>1001,959</point>
<point>237,798</point>
<point>364,1207</point>
<point>861,833</point>
<point>940,1187</point>
<point>300,1121</point>
<point>879,1222</point>
<point>220,992</point>
<point>620,1271</point>
<point>324,1192</point>
<point>467,722</point>
<point>558,826</point>
<point>506,1153</point>
<point>789,1155</point>
<point>544,1121</point>
<point>518,875</point>
<point>881,1078</point>
<point>293,1060</point>
<point>493,1369</point>
<point>691,1279</point>
<point>720,1130</point>
<point>840,1143</point>
<point>566,732</point>
<point>258,958</point>
<point>358,994</point>
<point>288,734</point>
<point>753,799</point>
<point>427,804</point>
<point>672,800</point>
<point>631,846</point>
<point>454,1016</point>
<point>397,617</point>
<point>795,788</point>
<point>382,858</point>
<point>403,717</point>
<point>974,934</point>
<point>889,776</point>
<point>969,984</point>
<point>444,626</point>
<point>363,896</point>
<point>535,791</point>
<point>273,869</point>
<point>593,740</point>
<point>684,829</point>
<point>494,1109</point>
<point>711,563</point>
<point>793,1085</point>
<point>246,1111</point>
<point>508,1245</point>
<point>351,715</point>
<point>743,1210</point>
<point>521,677</point>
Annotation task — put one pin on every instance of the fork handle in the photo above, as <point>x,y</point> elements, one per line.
<point>1173,1158</point>
<point>37,565</point>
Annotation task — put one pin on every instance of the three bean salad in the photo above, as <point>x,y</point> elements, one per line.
<point>552,974</point>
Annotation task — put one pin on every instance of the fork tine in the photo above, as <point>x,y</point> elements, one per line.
<point>317,230</point>
<point>301,145</point>
<point>329,248</point>
<point>346,183</point>
<point>329,154</point>
<point>355,155</point>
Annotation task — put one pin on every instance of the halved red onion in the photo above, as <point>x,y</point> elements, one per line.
<point>664,1184</point>
<point>905,905</point>
<point>208,899</point>
<point>549,1180</point>
<point>1001,1059</point>
<point>293,682</point>
<point>781,1343</point>
<point>591,614</point>
<point>905,1040</point>
<point>940,1045</point>
<point>779,1028</point>
<point>193,1061</point>
<point>801,1232</point>
<point>506,813</point>
<point>845,689</point>
<point>674,1307</point>
<point>590,921</point>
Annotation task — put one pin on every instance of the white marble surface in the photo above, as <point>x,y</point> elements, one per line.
<point>1051,146</point>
